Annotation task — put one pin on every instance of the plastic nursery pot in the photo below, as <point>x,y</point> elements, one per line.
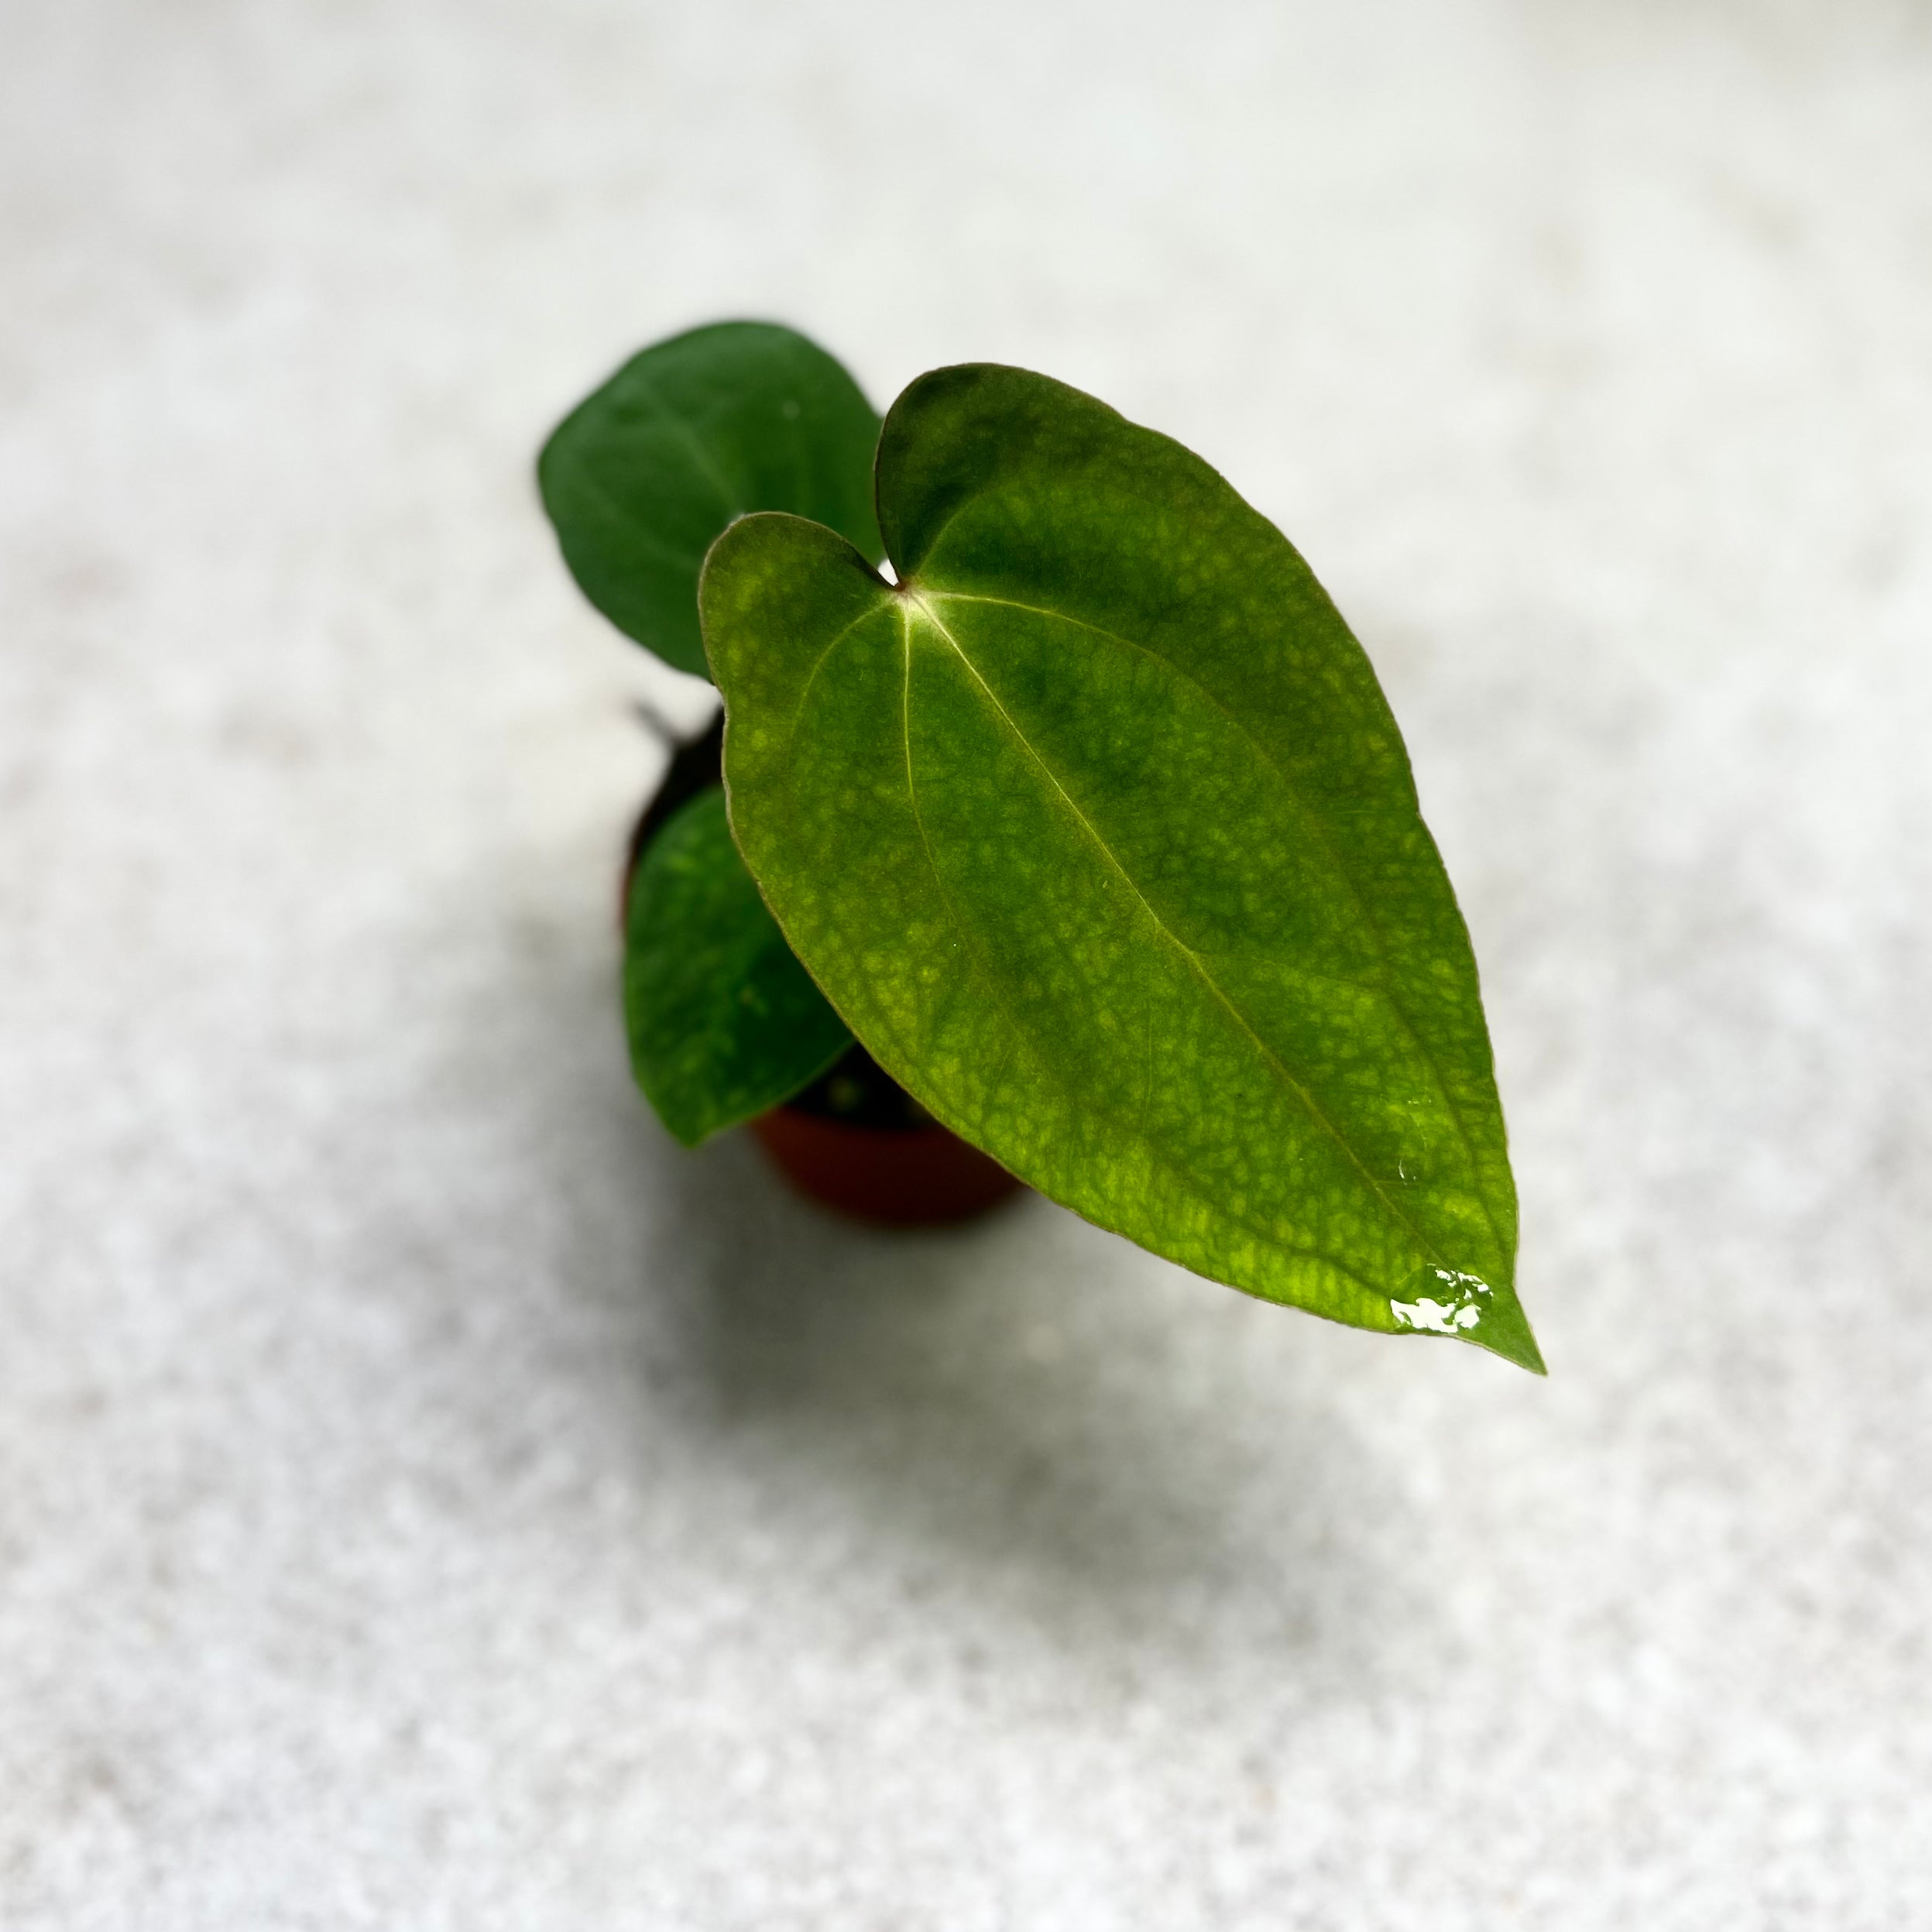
<point>854,1140</point>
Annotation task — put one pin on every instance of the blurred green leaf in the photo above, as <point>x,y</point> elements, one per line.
<point>643,474</point>
<point>724,1022</point>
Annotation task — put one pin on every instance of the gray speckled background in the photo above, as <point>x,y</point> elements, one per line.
<point>428,1499</point>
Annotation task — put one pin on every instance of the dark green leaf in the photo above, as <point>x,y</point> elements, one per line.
<point>723,1021</point>
<point>1098,832</point>
<point>641,475</point>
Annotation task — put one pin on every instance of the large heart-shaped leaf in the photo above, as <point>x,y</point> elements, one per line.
<point>643,474</point>
<point>724,1022</point>
<point>1097,830</point>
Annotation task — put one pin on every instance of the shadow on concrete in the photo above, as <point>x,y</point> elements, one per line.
<point>1025,1413</point>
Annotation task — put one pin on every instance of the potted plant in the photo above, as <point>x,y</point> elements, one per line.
<point>1056,796</point>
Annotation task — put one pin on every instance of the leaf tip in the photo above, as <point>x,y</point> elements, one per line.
<point>1447,1301</point>
<point>1515,1342</point>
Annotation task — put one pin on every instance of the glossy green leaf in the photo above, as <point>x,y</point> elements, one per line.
<point>723,1021</point>
<point>1098,832</point>
<point>645,472</point>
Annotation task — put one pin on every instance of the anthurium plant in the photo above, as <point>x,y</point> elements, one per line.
<point>1051,776</point>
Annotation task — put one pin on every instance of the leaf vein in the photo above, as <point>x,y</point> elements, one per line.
<point>689,436</point>
<point>805,690</point>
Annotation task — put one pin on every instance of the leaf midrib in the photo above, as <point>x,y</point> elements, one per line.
<point>1193,958</point>
<point>1309,817</point>
<point>1268,1236</point>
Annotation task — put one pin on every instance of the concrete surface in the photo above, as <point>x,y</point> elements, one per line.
<point>429,1499</point>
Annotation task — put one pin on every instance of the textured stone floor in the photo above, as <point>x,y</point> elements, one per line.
<point>429,1499</point>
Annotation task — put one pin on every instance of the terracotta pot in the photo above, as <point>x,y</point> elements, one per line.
<point>855,1140</point>
<point>895,1177</point>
